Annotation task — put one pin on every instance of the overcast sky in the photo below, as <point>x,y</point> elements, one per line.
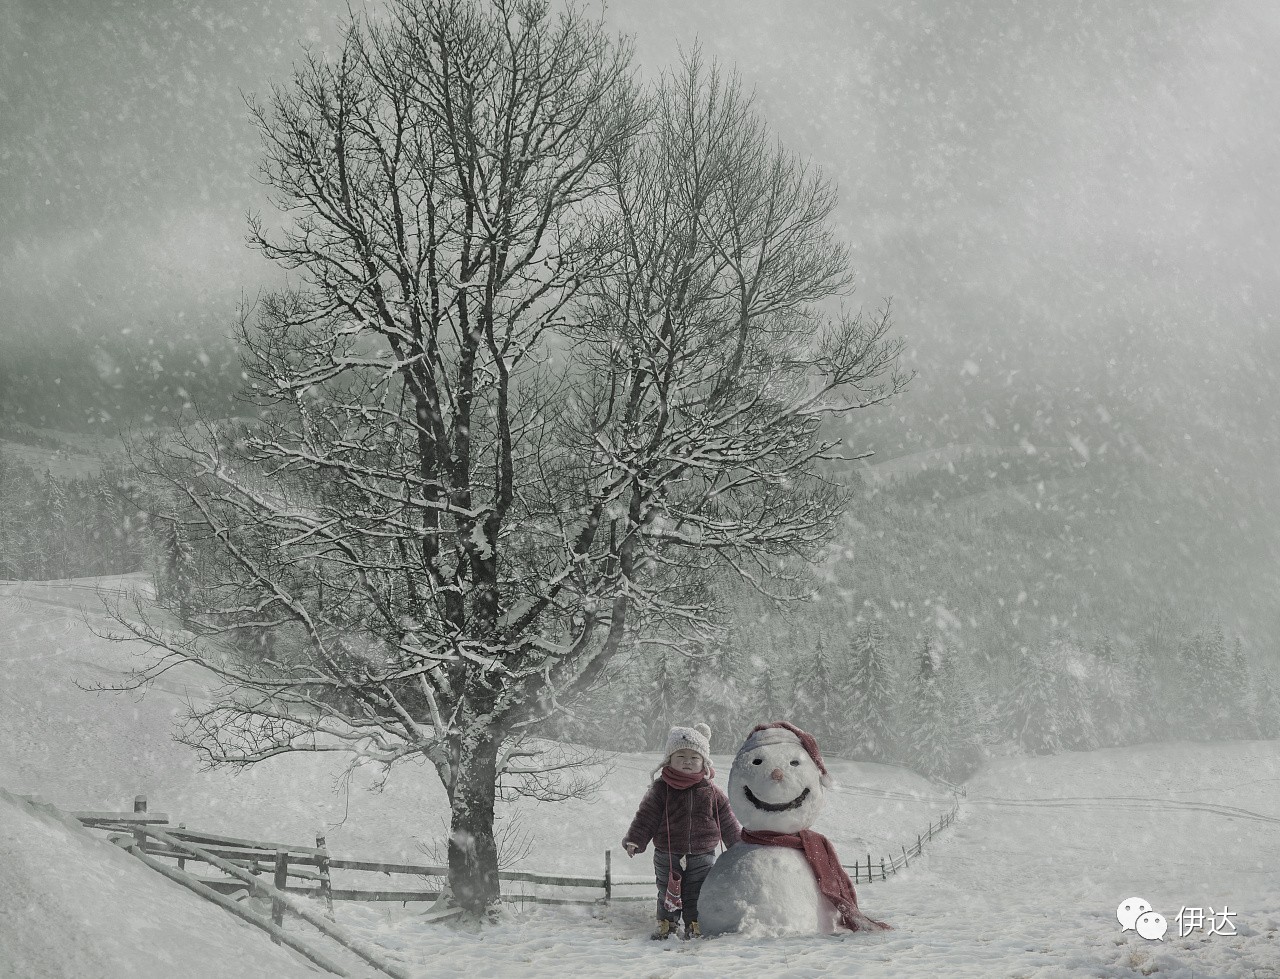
<point>1066,188</point>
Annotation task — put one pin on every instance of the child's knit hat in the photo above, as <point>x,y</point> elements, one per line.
<point>696,738</point>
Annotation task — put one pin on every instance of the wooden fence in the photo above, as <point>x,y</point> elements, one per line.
<point>868,872</point>
<point>239,861</point>
<point>307,871</point>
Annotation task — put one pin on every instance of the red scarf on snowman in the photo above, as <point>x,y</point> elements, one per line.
<point>833,882</point>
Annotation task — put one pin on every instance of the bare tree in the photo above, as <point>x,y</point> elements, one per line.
<point>557,353</point>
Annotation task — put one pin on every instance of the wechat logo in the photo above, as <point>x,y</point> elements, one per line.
<point>1135,914</point>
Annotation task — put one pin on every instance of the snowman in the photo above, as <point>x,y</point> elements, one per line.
<point>783,878</point>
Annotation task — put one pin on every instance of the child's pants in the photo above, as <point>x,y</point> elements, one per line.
<point>697,866</point>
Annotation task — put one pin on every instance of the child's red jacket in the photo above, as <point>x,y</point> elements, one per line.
<point>689,820</point>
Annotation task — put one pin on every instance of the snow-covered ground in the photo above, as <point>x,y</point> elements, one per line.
<point>1026,883</point>
<point>72,905</point>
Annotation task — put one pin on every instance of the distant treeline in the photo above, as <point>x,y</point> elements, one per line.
<point>67,528</point>
<point>928,702</point>
<point>938,710</point>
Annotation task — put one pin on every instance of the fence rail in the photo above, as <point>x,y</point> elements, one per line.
<point>866,873</point>
<point>307,871</point>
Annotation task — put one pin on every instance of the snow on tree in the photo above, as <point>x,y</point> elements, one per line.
<point>1153,675</point>
<point>869,715</point>
<point>1035,722</point>
<point>1226,680</point>
<point>816,700</point>
<point>1110,692</point>
<point>1234,693</point>
<point>670,695</point>
<point>557,349</point>
<point>1075,701</point>
<point>1264,712</point>
<point>176,577</point>
<point>970,726</point>
<point>722,694</point>
<point>1192,686</point>
<point>1049,707</point>
<point>52,521</point>
<point>928,737</point>
<point>768,697</point>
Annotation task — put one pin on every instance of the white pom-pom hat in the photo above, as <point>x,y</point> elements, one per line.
<point>696,738</point>
<point>781,732</point>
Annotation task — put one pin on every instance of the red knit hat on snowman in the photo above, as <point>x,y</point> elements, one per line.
<point>783,732</point>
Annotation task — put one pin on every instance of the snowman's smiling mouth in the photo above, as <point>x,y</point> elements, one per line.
<point>795,803</point>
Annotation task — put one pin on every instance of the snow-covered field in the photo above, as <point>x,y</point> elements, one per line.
<point>1026,883</point>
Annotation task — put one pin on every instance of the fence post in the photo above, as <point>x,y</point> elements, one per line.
<point>282,879</point>
<point>608,875</point>
<point>322,865</point>
<point>905,861</point>
<point>182,861</point>
<point>868,868</point>
<point>882,876</point>
<point>139,832</point>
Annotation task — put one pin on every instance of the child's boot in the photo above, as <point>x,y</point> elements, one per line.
<point>663,930</point>
<point>691,930</point>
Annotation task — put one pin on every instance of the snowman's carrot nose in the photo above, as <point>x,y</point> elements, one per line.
<point>776,775</point>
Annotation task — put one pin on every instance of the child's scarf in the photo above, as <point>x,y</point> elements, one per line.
<point>833,882</point>
<point>686,780</point>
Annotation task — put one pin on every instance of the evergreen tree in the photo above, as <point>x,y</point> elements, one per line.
<point>1225,685</point>
<point>9,537</point>
<point>686,705</point>
<point>965,730</point>
<point>816,703</point>
<point>768,694</point>
<point>1032,710</point>
<point>1074,703</point>
<point>1266,712</point>
<point>664,699</point>
<point>723,704</point>
<point>1234,684</point>
<point>1150,676</point>
<point>869,725</point>
<point>928,741</point>
<point>1191,688</point>
<point>1110,691</point>
<point>1104,650</point>
<point>177,578</point>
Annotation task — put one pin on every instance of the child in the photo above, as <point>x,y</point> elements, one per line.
<point>686,816</point>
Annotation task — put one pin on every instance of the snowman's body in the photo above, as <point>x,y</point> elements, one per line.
<point>764,890</point>
<point>774,786</point>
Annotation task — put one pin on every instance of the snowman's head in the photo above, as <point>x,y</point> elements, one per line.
<point>776,783</point>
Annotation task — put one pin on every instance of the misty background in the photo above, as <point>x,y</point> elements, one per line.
<point>1072,207</point>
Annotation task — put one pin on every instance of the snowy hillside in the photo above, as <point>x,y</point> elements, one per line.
<point>71,905</point>
<point>1025,884</point>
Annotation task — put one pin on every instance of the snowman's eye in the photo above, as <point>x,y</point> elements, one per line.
<point>795,762</point>
<point>757,761</point>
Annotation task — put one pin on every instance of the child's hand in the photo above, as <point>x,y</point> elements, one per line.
<point>631,849</point>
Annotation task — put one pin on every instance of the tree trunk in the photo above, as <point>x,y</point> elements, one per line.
<point>473,853</point>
